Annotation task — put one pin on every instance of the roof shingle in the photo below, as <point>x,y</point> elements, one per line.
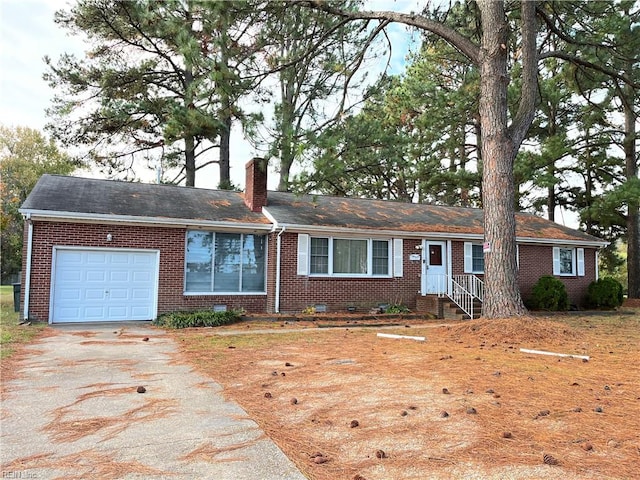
<point>366,214</point>
<point>56,193</point>
<point>73,195</point>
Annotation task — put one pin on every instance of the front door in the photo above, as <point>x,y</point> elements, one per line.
<point>434,267</point>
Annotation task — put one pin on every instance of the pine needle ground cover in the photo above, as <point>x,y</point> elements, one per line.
<point>465,403</point>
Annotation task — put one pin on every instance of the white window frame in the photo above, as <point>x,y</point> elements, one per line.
<point>304,257</point>
<point>577,262</point>
<point>468,258</point>
<point>232,292</point>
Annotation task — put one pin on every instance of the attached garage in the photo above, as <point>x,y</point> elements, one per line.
<point>103,285</point>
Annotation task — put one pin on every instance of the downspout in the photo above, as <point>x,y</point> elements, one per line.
<point>449,267</point>
<point>27,280</point>
<point>278,254</point>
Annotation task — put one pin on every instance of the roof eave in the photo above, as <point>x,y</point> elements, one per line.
<point>422,234</point>
<point>135,220</point>
<point>374,232</point>
<point>563,241</point>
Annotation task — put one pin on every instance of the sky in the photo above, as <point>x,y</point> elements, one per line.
<point>28,33</point>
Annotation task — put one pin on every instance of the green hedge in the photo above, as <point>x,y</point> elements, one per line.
<point>605,293</point>
<point>549,293</point>
<point>200,318</point>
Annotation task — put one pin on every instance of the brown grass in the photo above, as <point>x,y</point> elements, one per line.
<point>394,389</point>
<point>9,366</point>
<point>210,453</point>
<point>85,465</point>
<point>84,334</point>
<point>65,427</point>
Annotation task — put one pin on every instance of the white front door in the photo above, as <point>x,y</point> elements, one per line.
<point>104,285</point>
<point>434,267</point>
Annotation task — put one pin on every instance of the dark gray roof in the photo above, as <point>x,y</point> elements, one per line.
<point>56,193</point>
<point>338,212</point>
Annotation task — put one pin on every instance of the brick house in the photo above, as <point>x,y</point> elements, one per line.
<point>100,250</point>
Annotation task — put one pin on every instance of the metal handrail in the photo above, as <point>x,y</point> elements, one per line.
<point>472,284</point>
<point>463,290</point>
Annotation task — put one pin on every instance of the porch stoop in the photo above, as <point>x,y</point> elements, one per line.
<point>443,307</point>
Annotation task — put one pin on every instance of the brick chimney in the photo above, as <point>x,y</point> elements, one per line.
<point>255,190</point>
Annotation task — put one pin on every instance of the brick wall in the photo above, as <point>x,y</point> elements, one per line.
<point>169,241</point>
<point>537,260</point>
<point>298,292</point>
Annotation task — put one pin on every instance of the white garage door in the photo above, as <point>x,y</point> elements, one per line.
<point>104,285</point>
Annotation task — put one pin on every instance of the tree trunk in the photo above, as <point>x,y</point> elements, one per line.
<point>588,187</point>
<point>498,154</point>
<point>190,161</point>
<point>189,140</point>
<point>551,194</point>
<point>286,151</point>
<point>286,124</point>
<point>633,215</point>
<point>225,154</point>
<point>225,117</point>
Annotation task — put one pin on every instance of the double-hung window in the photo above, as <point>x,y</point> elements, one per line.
<point>473,258</point>
<point>568,261</point>
<point>349,256</point>
<point>225,262</point>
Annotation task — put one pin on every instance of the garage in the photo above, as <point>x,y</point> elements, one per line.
<point>103,285</point>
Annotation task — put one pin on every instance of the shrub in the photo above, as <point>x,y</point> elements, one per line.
<point>397,308</point>
<point>201,318</point>
<point>549,293</point>
<point>605,293</point>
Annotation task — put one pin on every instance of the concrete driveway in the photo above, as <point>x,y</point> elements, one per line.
<point>74,412</point>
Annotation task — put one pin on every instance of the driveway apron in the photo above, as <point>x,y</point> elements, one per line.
<point>114,401</point>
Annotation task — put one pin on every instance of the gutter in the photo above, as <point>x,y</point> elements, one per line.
<point>27,280</point>
<point>134,220</point>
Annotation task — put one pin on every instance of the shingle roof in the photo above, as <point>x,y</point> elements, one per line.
<point>84,196</point>
<point>55,193</point>
<point>365,214</point>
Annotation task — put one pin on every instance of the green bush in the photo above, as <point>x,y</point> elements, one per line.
<point>200,318</point>
<point>397,308</point>
<point>549,293</point>
<point>605,293</point>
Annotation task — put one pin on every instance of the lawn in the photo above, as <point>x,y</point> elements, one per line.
<point>465,403</point>
<point>11,333</point>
